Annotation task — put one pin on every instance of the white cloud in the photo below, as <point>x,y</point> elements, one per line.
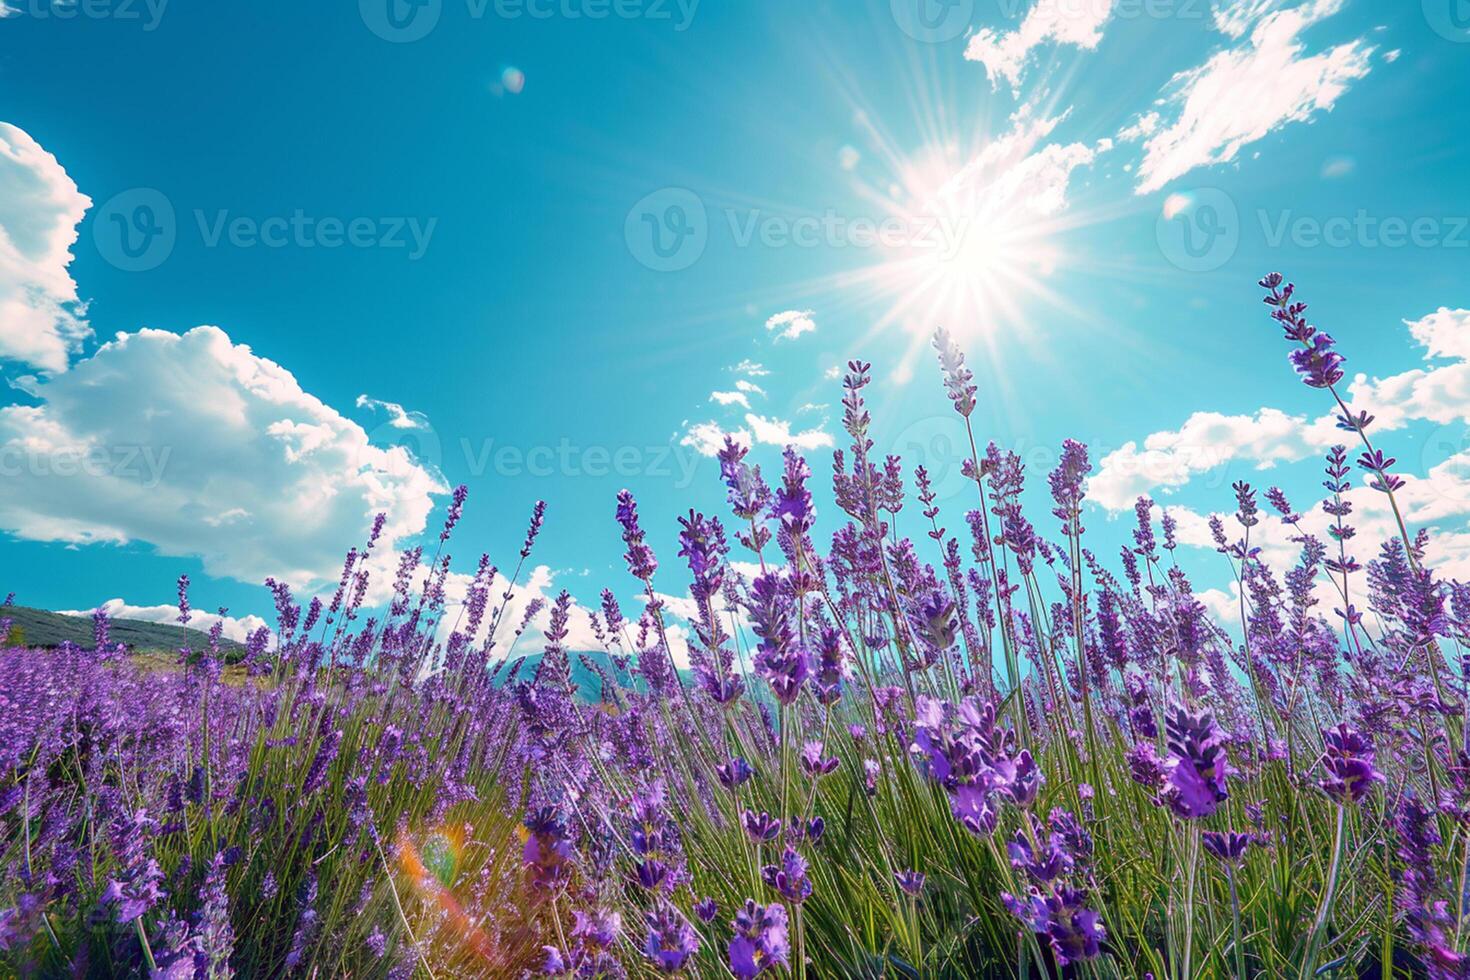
<point>1168,460</point>
<point>398,416</point>
<point>730,398</point>
<point>708,438</point>
<point>1145,125</point>
<point>1006,54</point>
<point>1238,16</point>
<point>1438,393</point>
<point>791,324</point>
<point>777,432</point>
<point>1248,91</point>
<point>199,447</point>
<point>42,321</point>
<point>235,628</point>
<point>1015,179</point>
<point>750,369</point>
<point>749,388</point>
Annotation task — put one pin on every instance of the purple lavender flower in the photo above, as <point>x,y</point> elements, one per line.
<point>760,942</point>
<point>1228,847</point>
<point>812,762</point>
<point>761,826</point>
<point>909,882</point>
<point>1074,931</point>
<point>456,511</point>
<point>707,909</point>
<point>640,559</point>
<point>1196,768</point>
<point>789,877</point>
<point>538,517</point>
<point>734,772</point>
<point>1348,760</point>
<point>213,933</point>
<point>671,939</point>
<point>547,854</point>
<point>958,379</point>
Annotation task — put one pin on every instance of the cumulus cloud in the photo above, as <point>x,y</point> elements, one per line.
<point>398,416</point>
<point>708,438</point>
<point>1438,393</point>
<point>1016,178</point>
<point>42,321</point>
<point>199,447</point>
<point>749,388</point>
<point>1168,460</point>
<point>777,432</point>
<point>730,398</point>
<point>791,324</point>
<point>1005,54</point>
<point>1247,91</point>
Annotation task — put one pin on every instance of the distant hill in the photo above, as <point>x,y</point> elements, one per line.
<point>40,628</point>
<point>588,683</point>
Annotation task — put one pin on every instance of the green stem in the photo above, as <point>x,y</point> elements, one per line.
<point>1309,964</point>
<point>1235,925</point>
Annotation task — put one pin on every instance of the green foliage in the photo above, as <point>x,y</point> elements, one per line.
<point>40,628</point>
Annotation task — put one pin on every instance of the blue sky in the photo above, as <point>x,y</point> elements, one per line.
<point>459,224</point>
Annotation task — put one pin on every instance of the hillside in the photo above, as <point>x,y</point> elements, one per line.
<point>40,628</point>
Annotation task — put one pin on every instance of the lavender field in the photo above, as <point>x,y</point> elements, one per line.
<point>941,744</point>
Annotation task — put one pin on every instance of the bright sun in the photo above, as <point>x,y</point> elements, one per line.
<point>972,232</point>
